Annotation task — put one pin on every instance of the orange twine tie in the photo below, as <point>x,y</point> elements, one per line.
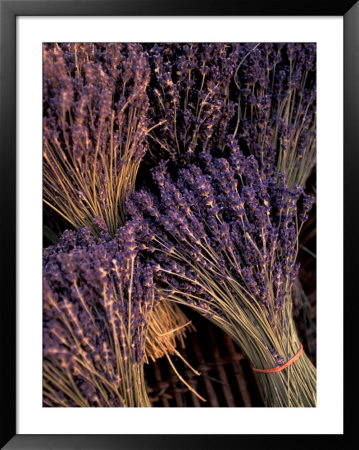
<point>283,366</point>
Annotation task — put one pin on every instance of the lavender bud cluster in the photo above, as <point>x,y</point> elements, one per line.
<point>189,96</point>
<point>97,301</point>
<point>87,90</point>
<point>276,85</point>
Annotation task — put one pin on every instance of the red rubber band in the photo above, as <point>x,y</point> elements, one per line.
<point>280,368</point>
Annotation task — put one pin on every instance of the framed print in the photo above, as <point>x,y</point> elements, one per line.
<point>173,180</point>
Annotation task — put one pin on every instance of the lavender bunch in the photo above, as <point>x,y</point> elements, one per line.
<point>95,130</point>
<point>276,114</point>
<point>98,298</point>
<point>263,94</point>
<point>190,100</point>
<point>223,237</point>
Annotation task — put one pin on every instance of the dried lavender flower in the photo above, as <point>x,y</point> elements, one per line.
<point>98,299</point>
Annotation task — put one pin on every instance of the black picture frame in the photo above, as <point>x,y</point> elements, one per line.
<point>9,10</point>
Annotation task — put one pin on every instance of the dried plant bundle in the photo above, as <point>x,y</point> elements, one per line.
<point>263,94</point>
<point>276,115</point>
<point>98,298</point>
<point>224,239</point>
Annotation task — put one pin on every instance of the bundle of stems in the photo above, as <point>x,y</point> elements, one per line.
<point>224,239</point>
<point>263,94</point>
<point>98,298</point>
<point>95,128</point>
<point>95,136</point>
